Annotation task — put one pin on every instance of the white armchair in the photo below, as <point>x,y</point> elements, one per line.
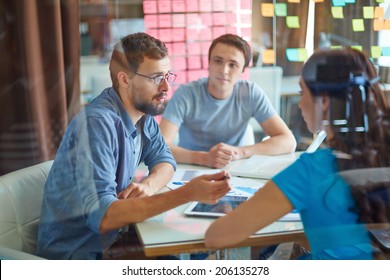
<point>21,195</point>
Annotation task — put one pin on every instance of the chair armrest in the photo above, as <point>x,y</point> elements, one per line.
<point>11,254</point>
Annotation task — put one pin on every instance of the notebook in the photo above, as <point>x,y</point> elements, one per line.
<point>265,167</point>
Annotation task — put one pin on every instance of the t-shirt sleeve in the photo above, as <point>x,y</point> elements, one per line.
<point>295,181</point>
<point>261,105</point>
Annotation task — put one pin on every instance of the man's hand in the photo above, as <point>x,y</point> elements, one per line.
<point>135,190</point>
<point>222,154</point>
<point>209,188</point>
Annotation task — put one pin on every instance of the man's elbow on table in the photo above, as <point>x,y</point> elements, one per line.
<point>215,240</point>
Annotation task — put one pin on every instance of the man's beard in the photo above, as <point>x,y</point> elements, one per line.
<point>150,108</point>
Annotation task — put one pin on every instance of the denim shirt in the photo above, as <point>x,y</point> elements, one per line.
<point>94,162</point>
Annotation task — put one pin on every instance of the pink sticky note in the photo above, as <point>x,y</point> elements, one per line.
<point>231,18</point>
<point>205,6</point>
<point>179,63</point>
<point>231,5</point>
<point>231,29</point>
<point>191,19</point>
<point>150,7</point>
<point>151,21</point>
<point>206,33</point>
<point>164,6</point>
<point>178,20</point>
<point>165,20</point>
<point>218,31</point>
<point>178,6</point>
<point>192,34</point>
<point>170,48</point>
<point>165,35</point>
<point>152,32</point>
<point>246,4</point>
<point>193,48</point>
<point>206,19</point>
<point>194,62</point>
<point>179,34</point>
<point>192,6</point>
<point>193,75</point>
<point>218,5</point>
<point>179,48</point>
<point>219,19</point>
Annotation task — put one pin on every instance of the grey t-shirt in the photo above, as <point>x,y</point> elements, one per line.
<point>204,121</point>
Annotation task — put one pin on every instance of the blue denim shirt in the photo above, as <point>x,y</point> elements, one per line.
<point>94,162</point>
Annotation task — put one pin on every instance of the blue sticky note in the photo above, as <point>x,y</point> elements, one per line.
<point>386,51</point>
<point>338,3</point>
<point>292,54</point>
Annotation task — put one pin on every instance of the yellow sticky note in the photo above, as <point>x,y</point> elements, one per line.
<point>294,1</point>
<point>379,12</point>
<point>292,21</point>
<point>268,57</point>
<point>376,51</point>
<point>379,24</point>
<point>267,10</point>
<point>302,54</point>
<point>318,1</point>
<point>358,25</point>
<point>359,48</point>
<point>368,12</point>
<point>337,12</point>
<point>380,1</point>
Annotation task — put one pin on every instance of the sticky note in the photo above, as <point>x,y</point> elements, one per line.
<point>219,18</point>
<point>380,1</point>
<point>151,21</point>
<point>194,62</point>
<point>267,10</point>
<point>192,34</point>
<point>368,12</point>
<point>379,12</point>
<point>165,20</point>
<point>165,34</point>
<point>376,51</point>
<point>191,19</point>
<point>337,12</point>
<point>179,35</point>
<point>296,55</point>
<point>292,21</point>
<point>218,31</point>
<point>294,1</point>
<point>192,6</point>
<point>218,5</point>
<point>205,6</point>
<point>387,24</point>
<point>360,48</point>
<point>386,51</point>
<point>206,19</point>
<point>193,48</point>
<point>245,4</point>
<point>280,9</point>
<point>205,47</point>
<point>318,1</point>
<point>231,18</point>
<point>178,6</point>
<point>150,7</point>
<point>379,24</point>
<point>358,25</point>
<point>178,20</point>
<point>179,48</point>
<point>246,19</point>
<point>350,1</point>
<point>179,63</point>
<point>164,6</point>
<point>338,2</point>
<point>268,57</point>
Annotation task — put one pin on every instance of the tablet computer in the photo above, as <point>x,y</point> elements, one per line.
<point>223,206</point>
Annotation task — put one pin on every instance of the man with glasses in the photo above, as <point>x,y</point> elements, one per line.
<point>90,195</point>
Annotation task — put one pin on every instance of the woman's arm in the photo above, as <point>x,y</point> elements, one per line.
<point>266,206</point>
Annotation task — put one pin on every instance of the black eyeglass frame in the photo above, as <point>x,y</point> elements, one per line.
<point>157,80</point>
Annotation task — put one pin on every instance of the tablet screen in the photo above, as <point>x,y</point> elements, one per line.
<point>223,206</point>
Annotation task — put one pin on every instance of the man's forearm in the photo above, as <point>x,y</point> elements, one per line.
<point>159,176</point>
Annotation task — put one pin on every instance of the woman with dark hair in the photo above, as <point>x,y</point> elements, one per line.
<point>338,188</point>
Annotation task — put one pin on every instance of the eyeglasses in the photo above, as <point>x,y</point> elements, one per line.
<point>169,77</point>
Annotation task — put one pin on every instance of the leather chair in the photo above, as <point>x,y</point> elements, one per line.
<point>21,195</point>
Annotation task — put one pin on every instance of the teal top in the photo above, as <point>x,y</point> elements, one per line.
<point>325,204</point>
